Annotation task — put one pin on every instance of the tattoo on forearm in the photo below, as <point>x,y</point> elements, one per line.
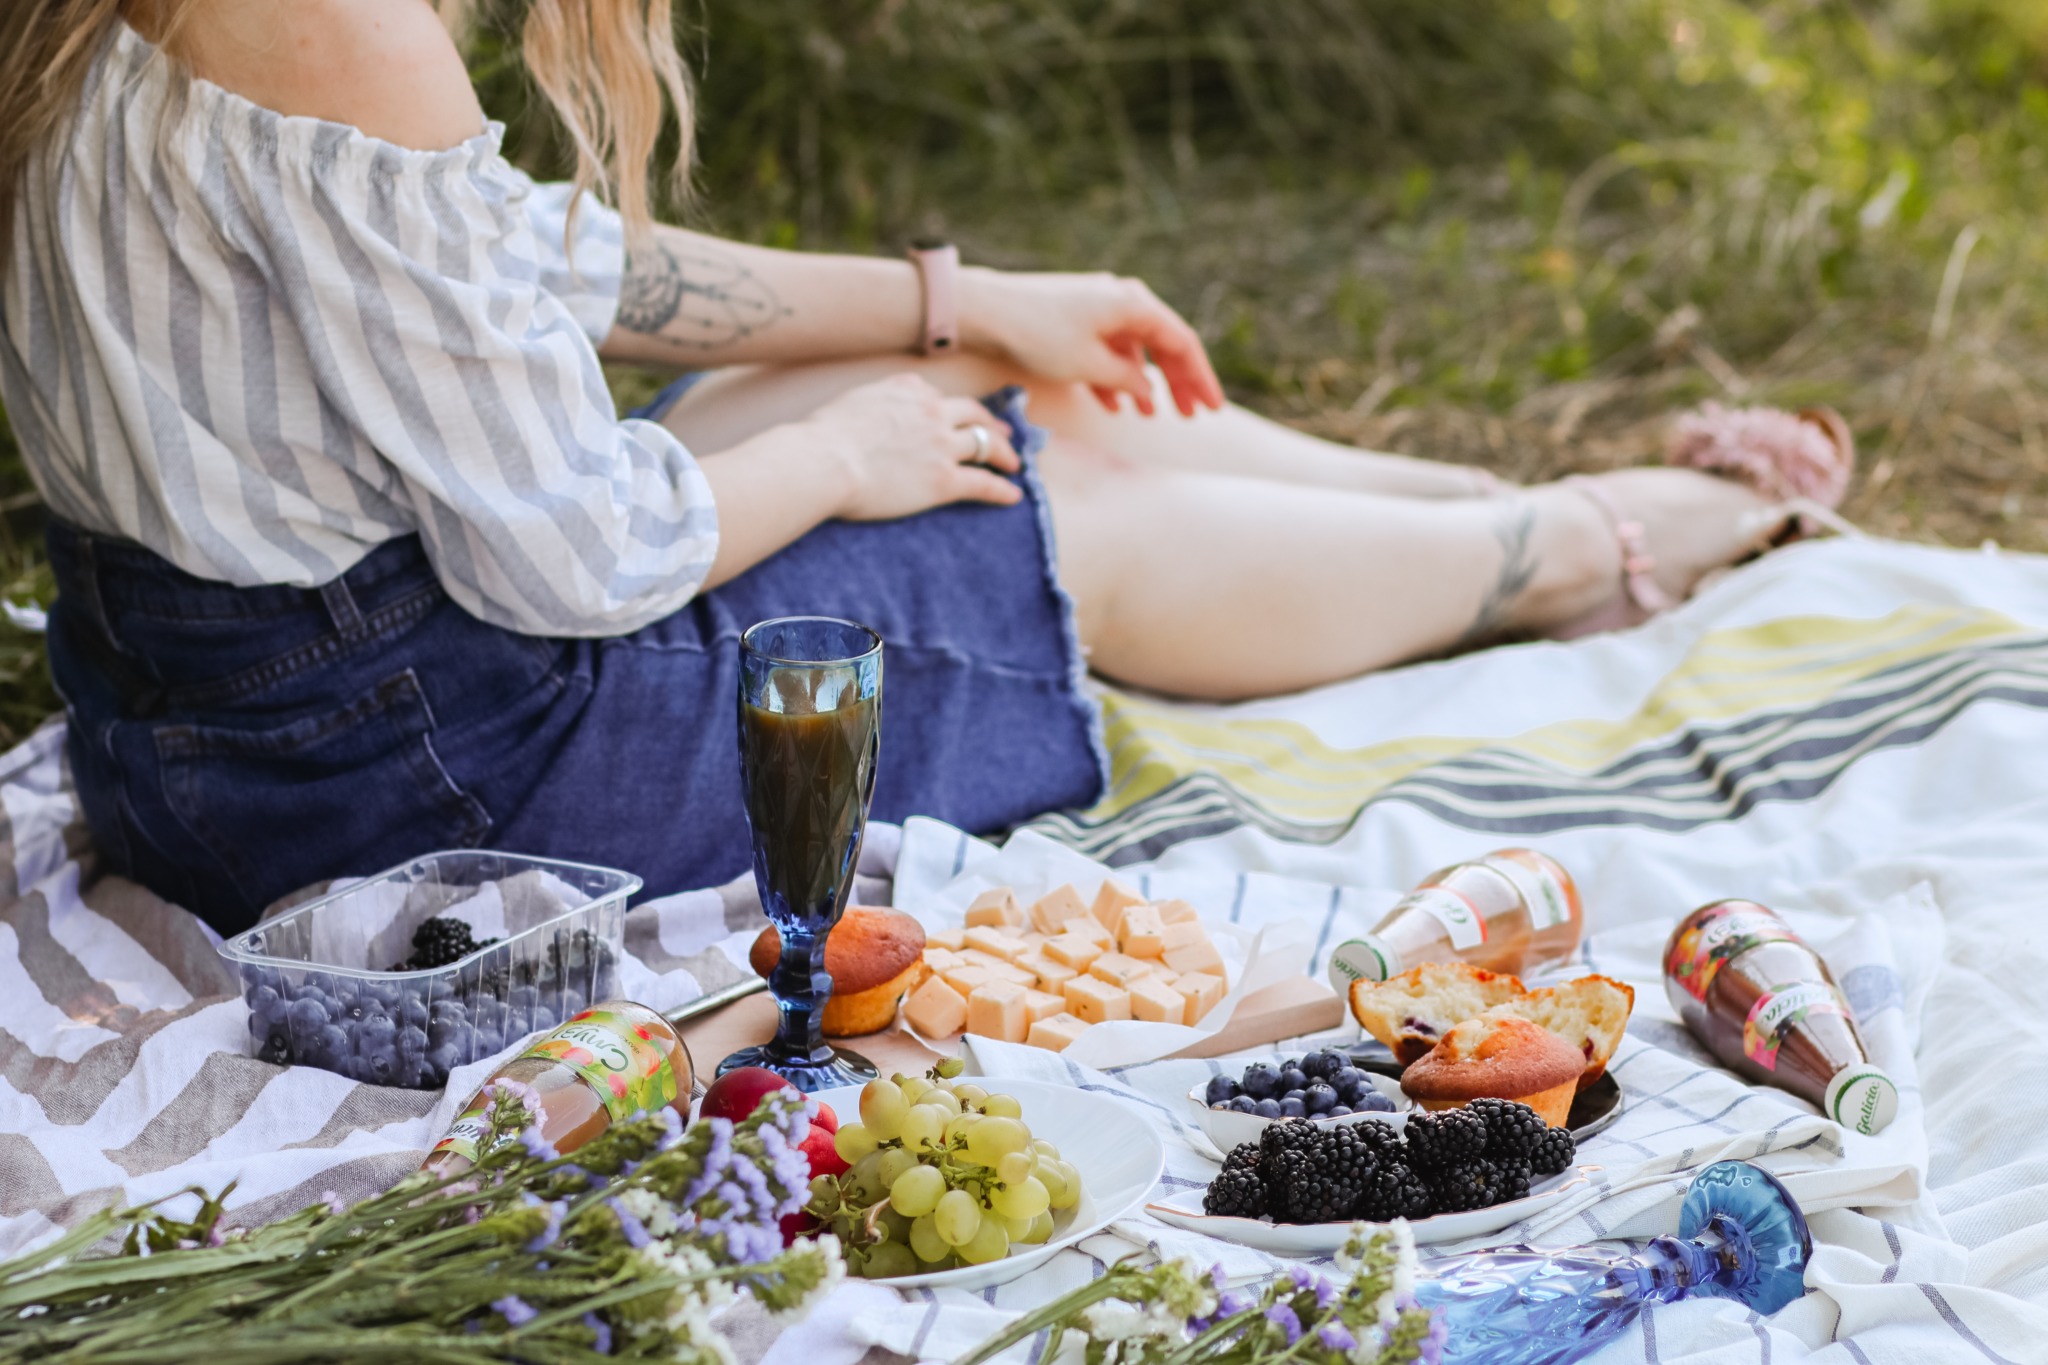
<point>694,299</point>
<point>1514,528</point>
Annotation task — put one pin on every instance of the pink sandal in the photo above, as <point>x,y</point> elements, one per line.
<point>1801,462</point>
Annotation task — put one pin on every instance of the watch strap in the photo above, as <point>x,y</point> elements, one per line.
<point>938,273</point>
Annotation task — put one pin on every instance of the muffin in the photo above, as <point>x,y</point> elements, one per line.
<point>1412,1010</point>
<point>1590,1013</point>
<point>874,956</point>
<point>1503,1057</point>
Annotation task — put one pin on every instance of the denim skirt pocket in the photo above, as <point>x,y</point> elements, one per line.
<point>316,797</point>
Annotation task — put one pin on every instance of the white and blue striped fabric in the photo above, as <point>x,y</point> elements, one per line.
<point>263,345</point>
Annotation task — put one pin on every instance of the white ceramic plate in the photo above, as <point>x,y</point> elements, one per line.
<point>1119,1157</point>
<point>1184,1210</point>
<point>1227,1128</point>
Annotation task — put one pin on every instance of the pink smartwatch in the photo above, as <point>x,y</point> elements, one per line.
<point>938,272</point>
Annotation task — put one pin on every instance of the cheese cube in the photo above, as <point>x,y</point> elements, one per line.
<point>1196,957</point>
<point>966,978</point>
<point>952,940</point>
<point>1010,971</point>
<point>1043,1005</point>
<point>1031,938</point>
<point>1056,1033</point>
<point>1176,912</point>
<point>1152,967</point>
<point>1049,974</point>
<point>1087,928</point>
<point>1094,1001</point>
<point>1050,912</point>
<point>938,959</point>
<point>997,1011</point>
<point>1202,992</point>
<point>1181,935</point>
<point>997,907</point>
<point>1073,950</point>
<point>1117,969</point>
<point>976,957</point>
<point>1157,1002</point>
<point>1110,903</point>
<point>935,1009</point>
<point>1002,944</point>
<point>1142,933</point>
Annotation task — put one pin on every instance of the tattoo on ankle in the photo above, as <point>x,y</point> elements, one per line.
<point>1513,529</point>
<point>695,300</point>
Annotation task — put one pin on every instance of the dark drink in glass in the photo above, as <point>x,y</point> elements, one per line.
<point>810,726</point>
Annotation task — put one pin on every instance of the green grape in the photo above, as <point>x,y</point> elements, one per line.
<point>914,1088</point>
<point>917,1191</point>
<point>895,1161</point>
<point>970,1094</point>
<point>1002,1107</point>
<point>882,1108</point>
<point>893,1226</point>
<point>1018,1228</point>
<point>1015,1166</point>
<point>1051,1174</point>
<point>959,1126</point>
<point>1072,1180</point>
<point>925,1240</point>
<point>991,1242</point>
<point>992,1139</point>
<point>1041,1230</point>
<point>957,1217</point>
<point>889,1260</point>
<point>823,1187</point>
<point>950,1068</point>
<point>942,1099</point>
<point>1044,1148</point>
<point>923,1127</point>
<point>865,1180</point>
<point>852,1142</point>
<point>1025,1199</point>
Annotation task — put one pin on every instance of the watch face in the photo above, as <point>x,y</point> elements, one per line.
<point>928,243</point>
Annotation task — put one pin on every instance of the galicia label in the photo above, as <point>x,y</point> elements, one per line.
<point>1538,890</point>
<point>1775,1012</point>
<point>1358,959</point>
<point>1460,919</point>
<point>1696,959</point>
<point>1861,1099</point>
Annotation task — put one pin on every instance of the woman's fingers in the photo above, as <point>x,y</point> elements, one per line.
<point>972,483</point>
<point>1177,351</point>
<point>993,449</point>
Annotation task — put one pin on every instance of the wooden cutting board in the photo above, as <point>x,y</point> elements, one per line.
<point>1285,1009</point>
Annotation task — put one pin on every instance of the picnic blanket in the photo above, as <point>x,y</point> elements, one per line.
<point>1850,732</point>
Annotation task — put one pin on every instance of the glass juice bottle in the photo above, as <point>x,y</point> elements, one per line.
<point>1513,910</point>
<point>1766,1006</point>
<point>596,1068</point>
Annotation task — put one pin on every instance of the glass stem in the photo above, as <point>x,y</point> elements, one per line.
<point>801,988</point>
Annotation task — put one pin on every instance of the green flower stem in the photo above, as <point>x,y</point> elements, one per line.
<point>1198,1349</point>
<point>1112,1285</point>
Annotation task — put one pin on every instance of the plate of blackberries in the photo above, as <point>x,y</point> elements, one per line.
<point>1453,1174</point>
<point>1322,1087</point>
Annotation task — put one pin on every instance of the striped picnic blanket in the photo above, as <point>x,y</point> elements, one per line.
<point>1847,731</point>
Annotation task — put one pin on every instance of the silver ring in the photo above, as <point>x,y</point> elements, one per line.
<point>980,434</point>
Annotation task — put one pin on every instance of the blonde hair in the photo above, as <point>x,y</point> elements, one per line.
<point>604,67</point>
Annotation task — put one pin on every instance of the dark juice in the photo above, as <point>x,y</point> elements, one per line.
<point>808,777</point>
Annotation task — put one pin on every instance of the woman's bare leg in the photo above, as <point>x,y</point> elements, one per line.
<point>1218,586</point>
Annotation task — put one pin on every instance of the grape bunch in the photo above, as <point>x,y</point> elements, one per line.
<point>941,1174</point>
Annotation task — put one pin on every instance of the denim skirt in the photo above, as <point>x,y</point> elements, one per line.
<point>232,745</point>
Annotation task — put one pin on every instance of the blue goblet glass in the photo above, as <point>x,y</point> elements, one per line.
<point>810,726</point>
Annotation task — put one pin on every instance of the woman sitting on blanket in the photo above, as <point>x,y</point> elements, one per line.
<point>356,559</point>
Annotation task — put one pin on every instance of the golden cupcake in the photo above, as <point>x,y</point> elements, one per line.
<point>1501,1057</point>
<point>875,956</point>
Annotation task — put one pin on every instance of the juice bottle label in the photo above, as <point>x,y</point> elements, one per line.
<point>619,1059</point>
<point>1775,1012</point>
<point>465,1135</point>
<point>1700,951</point>
<point>1537,888</point>
<point>1457,915</point>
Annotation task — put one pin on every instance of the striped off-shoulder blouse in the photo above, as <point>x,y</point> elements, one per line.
<point>261,346</point>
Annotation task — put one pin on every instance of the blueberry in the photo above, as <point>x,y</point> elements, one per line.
<point>1321,1064</point>
<point>1335,1111</point>
<point>329,1047</point>
<point>1243,1104</point>
<point>1294,1078</point>
<point>546,1016</point>
<point>1219,1089</point>
<point>413,1011</point>
<point>1267,1109</point>
<point>1295,1095</point>
<point>445,1058</point>
<point>262,999</point>
<point>412,1041</point>
<point>378,1068</point>
<point>1372,1102</point>
<point>375,1032</point>
<point>523,997</point>
<point>383,994</point>
<point>1320,1099</point>
<point>573,1002</point>
<point>1261,1081</point>
<point>307,1016</point>
<point>275,1049</point>
<point>1291,1108</point>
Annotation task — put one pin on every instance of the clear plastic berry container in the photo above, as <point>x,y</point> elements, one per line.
<point>321,991</point>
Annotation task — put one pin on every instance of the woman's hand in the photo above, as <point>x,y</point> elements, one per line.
<point>1097,330</point>
<point>905,447</point>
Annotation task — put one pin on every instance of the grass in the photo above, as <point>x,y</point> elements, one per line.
<point>1517,233</point>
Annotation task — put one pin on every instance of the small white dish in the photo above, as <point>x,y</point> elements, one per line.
<point>1227,1128</point>
<point>1184,1210</point>
<point>1118,1155</point>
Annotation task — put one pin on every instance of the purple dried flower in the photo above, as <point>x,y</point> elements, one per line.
<point>602,1331</point>
<point>217,1235</point>
<point>1283,1317</point>
<point>333,1203</point>
<point>1301,1276</point>
<point>537,1146</point>
<point>519,1093</point>
<point>1232,1302</point>
<point>1335,1336</point>
<point>1217,1278</point>
<point>518,1312</point>
<point>1327,1294</point>
<point>635,1232</point>
<point>546,1237</point>
<point>1433,1344</point>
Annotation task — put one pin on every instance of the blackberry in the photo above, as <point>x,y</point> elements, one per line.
<point>1445,1139</point>
<point>1309,1189</point>
<point>1393,1191</point>
<point>1514,1180</point>
<point>1466,1185</point>
<point>1512,1130</point>
<point>1243,1157</point>
<point>1386,1143</point>
<point>440,941</point>
<point>1553,1152</point>
<point>1288,1135</point>
<point>1235,1193</point>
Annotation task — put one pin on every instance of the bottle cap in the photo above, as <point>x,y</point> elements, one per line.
<point>1359,959</point>
<point>1861,1098</point>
